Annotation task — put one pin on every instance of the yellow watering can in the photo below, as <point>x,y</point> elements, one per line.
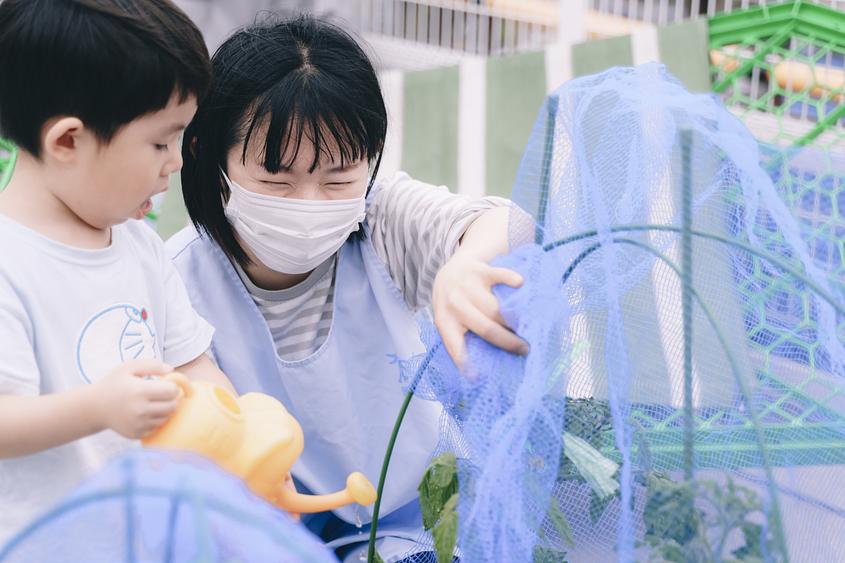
<point>252,436</point>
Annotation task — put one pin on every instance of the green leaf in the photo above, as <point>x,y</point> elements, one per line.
<point>548,555</point>
<point>560,522</point>
<point>377,558</point>
<point>753,534</point>
<point>645,460</point>
<point>587,418</point>
<point>438,485</point>
<point>673,552</point>
<point>670,511</point>
<point>445,532</point>
<point>598,506</point>
<point>596,469</point>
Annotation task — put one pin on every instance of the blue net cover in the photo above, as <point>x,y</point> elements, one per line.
<point>683,301</point>
<point>156,506</point>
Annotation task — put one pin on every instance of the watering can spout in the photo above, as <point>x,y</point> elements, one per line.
<point>358,489</point>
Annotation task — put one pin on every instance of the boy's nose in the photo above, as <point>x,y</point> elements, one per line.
<point>174,164</point>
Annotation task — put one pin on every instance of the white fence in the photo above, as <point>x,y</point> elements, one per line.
<point>460,26</point>
<point>495,27</point>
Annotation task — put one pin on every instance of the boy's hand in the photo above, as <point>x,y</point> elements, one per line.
<point>134,406</point>
<point>463,300</point>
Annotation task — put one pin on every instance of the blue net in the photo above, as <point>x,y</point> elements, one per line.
<point>157,506</point>
<point>683,301</point>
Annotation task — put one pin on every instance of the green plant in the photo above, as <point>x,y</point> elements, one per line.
<point>439,496</point>
<point>542,552</point>
<point>692,522</point>
<point>687,521</point>
<point>439,502</point>
<point>588,419</point>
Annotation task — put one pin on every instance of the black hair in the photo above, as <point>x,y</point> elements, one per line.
<point>106,62</point>
<point>291,78</point>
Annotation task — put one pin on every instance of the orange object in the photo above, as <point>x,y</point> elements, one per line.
<point>820,81</point>
<point>254,437</point>
<point>726,59</point>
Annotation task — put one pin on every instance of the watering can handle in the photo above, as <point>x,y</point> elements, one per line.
<point>182,382</point>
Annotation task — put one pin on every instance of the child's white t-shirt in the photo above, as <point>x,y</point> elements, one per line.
<point>68,316</point>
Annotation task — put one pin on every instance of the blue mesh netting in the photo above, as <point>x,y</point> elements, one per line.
<point>155,506</point>
<point>683,300</point>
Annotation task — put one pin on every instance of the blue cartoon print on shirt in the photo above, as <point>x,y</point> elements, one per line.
<point>114,335</point>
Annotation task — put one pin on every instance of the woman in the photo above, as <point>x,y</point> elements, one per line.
<point>312,274</point>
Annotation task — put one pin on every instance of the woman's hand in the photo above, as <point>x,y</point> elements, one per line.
<point>463,300</point>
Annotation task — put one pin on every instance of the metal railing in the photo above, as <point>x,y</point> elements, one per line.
<point>661,12</point>
<point>461,26</point>
<point>497,27</point>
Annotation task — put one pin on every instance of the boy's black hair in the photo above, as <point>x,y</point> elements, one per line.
<point>290,78</point>
<point>106,62</point>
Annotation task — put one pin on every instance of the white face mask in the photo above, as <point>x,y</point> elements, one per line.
<point>292,236</point>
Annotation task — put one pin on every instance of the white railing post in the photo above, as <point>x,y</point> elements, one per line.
<point>572,21</point>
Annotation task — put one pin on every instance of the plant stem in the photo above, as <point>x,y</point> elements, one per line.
<point>751,250</point>
<point>371,548</point>
<point>546,170</point>
<point>686,300</point>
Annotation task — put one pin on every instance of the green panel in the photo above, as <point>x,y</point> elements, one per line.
<point>684,51</point>
<point>8,154</point>
<point>430,137</point>
<point>516,87</point>
<point>596,56</point>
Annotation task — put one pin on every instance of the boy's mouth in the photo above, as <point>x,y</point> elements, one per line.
<point>144,209</point>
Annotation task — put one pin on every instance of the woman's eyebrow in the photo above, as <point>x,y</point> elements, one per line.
<point>341,168</point>
<point>282,168</point>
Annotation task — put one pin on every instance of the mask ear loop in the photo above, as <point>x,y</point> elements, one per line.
<point>229,211</point>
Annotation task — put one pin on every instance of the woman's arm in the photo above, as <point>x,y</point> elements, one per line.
<point>437,246</point>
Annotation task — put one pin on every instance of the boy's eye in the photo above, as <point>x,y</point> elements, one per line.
<point>161,147</point>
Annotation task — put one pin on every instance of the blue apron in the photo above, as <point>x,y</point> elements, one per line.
<point>346,395</point>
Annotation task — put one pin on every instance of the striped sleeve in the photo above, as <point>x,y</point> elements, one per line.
<point>416,227</point>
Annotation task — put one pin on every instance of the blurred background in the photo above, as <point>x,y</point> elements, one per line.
<point>464,80</point>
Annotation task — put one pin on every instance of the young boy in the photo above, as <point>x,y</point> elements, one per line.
<point>95,93</point>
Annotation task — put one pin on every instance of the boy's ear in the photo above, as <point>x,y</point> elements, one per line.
<point>61,138</point>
